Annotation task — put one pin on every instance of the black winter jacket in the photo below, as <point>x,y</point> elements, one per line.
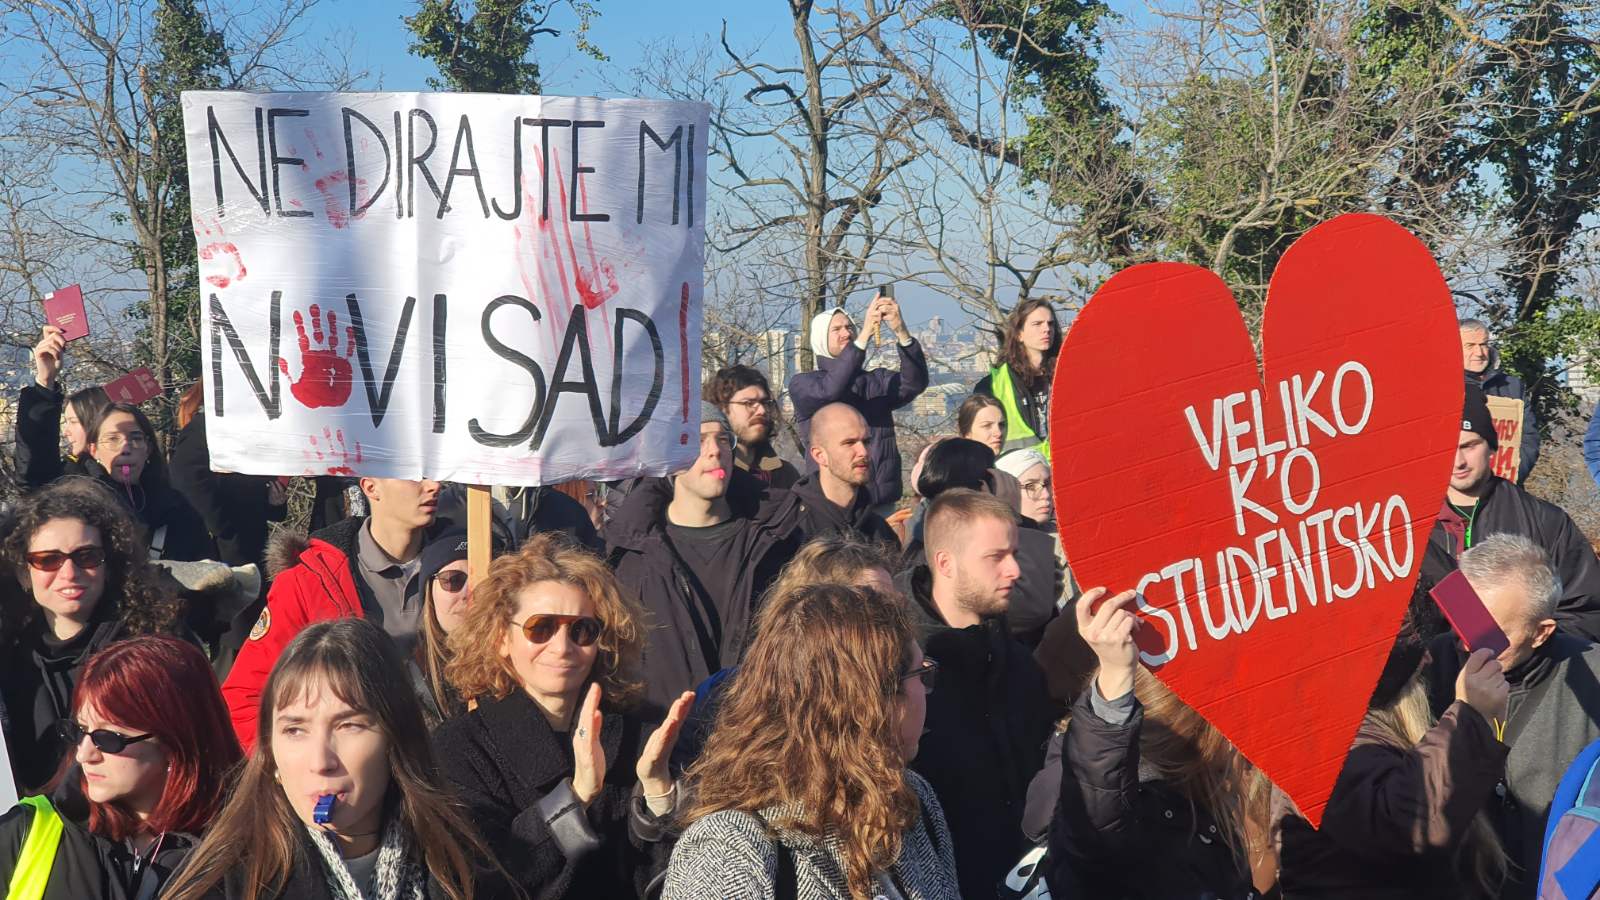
<point>308,881</point>
<point>87,866</point>
<point>40,674</point>
<point>166,520</point>
<point>514,773</point>
<point>821,516</point>
<point>987,727</point>
<point>1508,509</point>
<point>233,507</point>
<point>37,453</point>
<point>690,636</point>
<point>1115,835</point>
<point>876,394</point>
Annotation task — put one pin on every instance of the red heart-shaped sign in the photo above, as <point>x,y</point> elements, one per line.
<point>1274,521</point>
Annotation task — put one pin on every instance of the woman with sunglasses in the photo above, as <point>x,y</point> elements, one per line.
<point>569,788</point>
<point>341,799</point>
<point>803,789</point>
<point>445,595</point>
<point>149,751</point>
<point>82,581</point>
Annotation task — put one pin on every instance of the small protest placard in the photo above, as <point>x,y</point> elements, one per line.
<point>64,309</point>
<point>1507,415</point>
<point>1272,518</point>
<point>480,288</point>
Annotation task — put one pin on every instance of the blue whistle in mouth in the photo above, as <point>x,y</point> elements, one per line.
<point>322,814</point>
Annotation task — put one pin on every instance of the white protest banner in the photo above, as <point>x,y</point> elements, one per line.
<point>469,287</point>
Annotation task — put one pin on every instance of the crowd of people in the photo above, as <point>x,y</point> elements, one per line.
<point>757,677</point>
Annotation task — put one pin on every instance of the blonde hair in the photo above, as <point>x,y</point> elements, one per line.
<point>476,666</point>
<point>831,559</point>
<point>807,735</point>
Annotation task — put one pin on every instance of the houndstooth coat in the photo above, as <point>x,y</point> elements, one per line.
<point>729,854</point>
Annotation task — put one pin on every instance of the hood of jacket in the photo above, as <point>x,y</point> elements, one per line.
<point>855,516</point>
<point>288,548</point>
<point>818,332</point>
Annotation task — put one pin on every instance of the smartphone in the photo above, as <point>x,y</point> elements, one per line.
<point>1467,614</point>
<point>886,290</point>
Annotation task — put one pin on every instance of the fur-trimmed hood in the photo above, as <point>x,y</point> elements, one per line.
<point>285,548</point>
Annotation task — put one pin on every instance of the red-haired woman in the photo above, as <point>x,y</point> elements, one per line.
<point>151,751</point>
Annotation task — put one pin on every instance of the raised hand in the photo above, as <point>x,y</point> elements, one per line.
<point>652,767</point>
<point>874,317</point>
<point>325,374</point>
<point>47,356</point>
<point>1482,686</point>
<point>891,316</point>
<point>588,757</point>
<point>1109,632</point>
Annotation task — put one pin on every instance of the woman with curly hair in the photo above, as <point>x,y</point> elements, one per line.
<point>803,789</point>
<point>567,786</point>
<point>1030,341</point>
<point>85,581</point>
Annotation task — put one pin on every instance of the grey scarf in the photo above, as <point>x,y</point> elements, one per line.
<point>398,875</point>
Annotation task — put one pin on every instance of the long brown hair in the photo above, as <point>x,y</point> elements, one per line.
<point>476,667</point>
<point>258,833</point>
<point>1015,356</point>
<point>190,403</point>
<point>808,733</point>
<point>1194,759</point>
<point>433,652</point>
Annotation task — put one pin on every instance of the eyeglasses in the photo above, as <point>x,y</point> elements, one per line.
<point>105,739</point>
<point>751,406</point>
<point>116,439</point>
<point>1036,488</point>
<point>451,580</point>
<point>53,560</point>
<point>582,630</point>
<point>928,672</point>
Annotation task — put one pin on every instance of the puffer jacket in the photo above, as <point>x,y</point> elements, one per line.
<point>876,394</point>
<point>314,579</point>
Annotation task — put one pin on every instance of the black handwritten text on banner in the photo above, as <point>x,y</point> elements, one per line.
<point>472,287</point>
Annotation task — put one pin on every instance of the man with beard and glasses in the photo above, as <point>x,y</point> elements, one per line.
<point>988,723</point>
<point>745,398</point>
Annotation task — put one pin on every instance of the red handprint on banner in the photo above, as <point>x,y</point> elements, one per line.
<point>337,451</point>
<point>325,374</point>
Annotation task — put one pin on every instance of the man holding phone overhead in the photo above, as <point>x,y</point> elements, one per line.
<point>1554,709</point>
<point>1479,504</point>
<point>841,376</point>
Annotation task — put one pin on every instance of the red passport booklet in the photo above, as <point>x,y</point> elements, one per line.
<point>64,309</point>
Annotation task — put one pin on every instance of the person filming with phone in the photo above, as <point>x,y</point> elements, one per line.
<point>1555,691</point>
<point>841,376</point>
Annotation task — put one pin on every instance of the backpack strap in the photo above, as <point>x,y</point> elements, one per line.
<point>38,856</point>
<point>158,543</point>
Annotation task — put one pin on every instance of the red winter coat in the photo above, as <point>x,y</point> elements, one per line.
<point>315,579</point>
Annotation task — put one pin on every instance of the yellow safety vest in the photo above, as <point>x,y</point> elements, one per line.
<point>38,856</point>
<point>1018,435</point>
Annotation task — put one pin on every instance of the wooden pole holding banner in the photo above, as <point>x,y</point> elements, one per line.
<point>479,524</point>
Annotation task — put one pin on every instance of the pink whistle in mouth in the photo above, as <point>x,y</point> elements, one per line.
<point>127,472</point>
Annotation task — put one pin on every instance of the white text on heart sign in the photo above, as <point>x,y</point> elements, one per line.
<point>1281,565</point>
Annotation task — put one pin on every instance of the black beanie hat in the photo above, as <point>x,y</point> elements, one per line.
<point>1476,419</point>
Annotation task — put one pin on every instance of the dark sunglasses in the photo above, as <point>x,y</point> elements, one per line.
<point>53,560</point>
<point>108,741</point>
<point>451,580</point>
<point>582,630</point>
<point>928,672</point>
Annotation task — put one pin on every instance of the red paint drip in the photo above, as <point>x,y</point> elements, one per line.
<point>683,357</point>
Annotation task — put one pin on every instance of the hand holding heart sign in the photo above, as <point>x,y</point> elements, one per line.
<point>1272,520</point>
